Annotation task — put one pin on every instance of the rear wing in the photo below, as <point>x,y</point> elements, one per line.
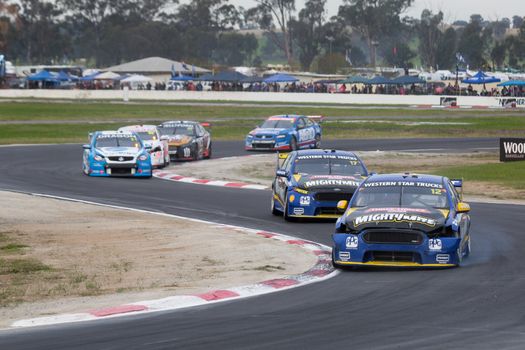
<point>281,157</point>
<point>206,125</point>
<point>458,184</point>
<point>316,118</point>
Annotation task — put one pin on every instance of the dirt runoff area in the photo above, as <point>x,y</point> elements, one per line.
<point>260,169</point>
<point>60,257</point>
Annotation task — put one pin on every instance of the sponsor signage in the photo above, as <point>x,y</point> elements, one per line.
<point>511,102</point>
<point>511,149</point>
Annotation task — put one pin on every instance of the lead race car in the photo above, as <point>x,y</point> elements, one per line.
<point>286,133</point>
<point>310,183</point>
<point>150,136</point>
<point>403,220</point>
<point>113,153</point>
<point>187,140</point>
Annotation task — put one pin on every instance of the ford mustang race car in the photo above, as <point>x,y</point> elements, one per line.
<point>310,183</point>
<point>285,133</point>
<point>187,140</point>
<point>150,137</point>
<point>113,153</point>
<point>403,220</point>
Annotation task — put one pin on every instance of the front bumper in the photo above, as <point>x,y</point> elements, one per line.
<point>353,250</point>
<point>302,205</point>
<point>183,152</point>
<point>136,169</point>
<point>255,144</point>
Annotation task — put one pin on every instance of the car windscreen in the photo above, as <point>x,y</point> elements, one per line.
<point>411,196</point>
<point>181,129</point>
<point>147,135</point>
<point>117,141</point>
<point>329,166</point>
<point>278,124</point>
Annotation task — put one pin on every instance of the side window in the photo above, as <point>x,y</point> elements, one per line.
<point>300,123</point>
<point>288,165</point>
<point>309,122</point>
<point>200,132</point>
<point>454,193</point>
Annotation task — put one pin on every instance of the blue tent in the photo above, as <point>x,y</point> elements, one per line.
<point>379,80</point>
<point>182,78</point>
<point>206,77</point>
<point>252,79</point>
<point>226,76</point>
<point>280,78</point>
<point>90,77</point>
<point>63,76</point>
<point>407,80</point>
<point>356,79</point>
<point>481,78</point>
<point>43,75</point>
<point>513,83</point>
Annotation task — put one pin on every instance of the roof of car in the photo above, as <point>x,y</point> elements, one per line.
<point>311,152</point>
<point>137,128</point>
<point>406,177</point>
<point>180,122</point>
<point>285,116</point>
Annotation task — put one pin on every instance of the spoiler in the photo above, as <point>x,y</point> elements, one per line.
<point>316,118</point>
<point>281,157</point>
<point>458,183</point>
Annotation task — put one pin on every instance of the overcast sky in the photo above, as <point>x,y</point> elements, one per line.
<point>453,9</point>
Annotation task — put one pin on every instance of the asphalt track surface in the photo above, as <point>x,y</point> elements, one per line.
<point>478,306</point>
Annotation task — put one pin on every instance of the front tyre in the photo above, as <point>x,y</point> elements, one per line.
<point>272,206</point>
<point>286,214</point>
<point>317,141</point>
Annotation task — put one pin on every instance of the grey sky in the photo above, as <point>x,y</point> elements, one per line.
<point>453,9</point>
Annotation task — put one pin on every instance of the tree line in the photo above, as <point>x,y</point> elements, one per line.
<point>215,32</point>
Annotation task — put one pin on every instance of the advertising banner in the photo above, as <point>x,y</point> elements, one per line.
<point>511,149</point>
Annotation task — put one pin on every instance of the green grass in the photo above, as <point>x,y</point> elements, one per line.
<point>158,111</point>
<point>21,266</point>
<point>71,122</point>
<point>13,247</point>
<point>510,174</point>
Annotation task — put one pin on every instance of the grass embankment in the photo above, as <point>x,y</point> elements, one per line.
<point>70,122</point>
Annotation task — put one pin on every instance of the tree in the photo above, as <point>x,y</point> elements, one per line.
<point>8,15</point>
<point>373,19</point>
<point>429,33</point>
<point>309,30</point>
<point>447,49</point>
<point>471,43</point>
<point>399,55</point>
<point>235,49</point>
<point>498,53</point>
<point>274,15</point>
<point>40,37</point>
<point>88,16</point>
<point>517,21</point>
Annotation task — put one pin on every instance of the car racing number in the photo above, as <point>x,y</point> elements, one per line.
<point>306,134</point>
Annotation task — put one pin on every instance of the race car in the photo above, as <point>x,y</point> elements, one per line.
<point>187,140</point>
<point>113,153</point>
<point>310,183</point>
<point>285,133</point>
<point>403,220</point>
<point>150,136</point>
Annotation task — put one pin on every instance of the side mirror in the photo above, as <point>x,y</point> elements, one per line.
<point>341,206</point>
<point>148,148</point>
<point>372,173</point>
<point>463,207</point>
<point>164,138</point>
<point>281,173</point>
<point>86,146</point>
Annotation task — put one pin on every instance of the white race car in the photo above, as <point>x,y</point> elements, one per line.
<point>150,136</point>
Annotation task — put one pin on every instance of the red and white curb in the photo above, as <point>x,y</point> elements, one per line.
<point>322,270</point>
<point>171,175</point>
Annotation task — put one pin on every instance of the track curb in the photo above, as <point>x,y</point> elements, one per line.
<point>320,271</point>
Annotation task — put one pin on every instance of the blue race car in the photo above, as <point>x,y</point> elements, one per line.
<point>310,183</point>
<point>113,153</point>
<point>403,220</point>
<point>285,133</point>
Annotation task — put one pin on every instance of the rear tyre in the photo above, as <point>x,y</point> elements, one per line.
<point>293,144</point>
<point>317,141</point>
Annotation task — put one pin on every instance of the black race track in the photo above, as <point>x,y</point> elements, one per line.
<point>478,306</point>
